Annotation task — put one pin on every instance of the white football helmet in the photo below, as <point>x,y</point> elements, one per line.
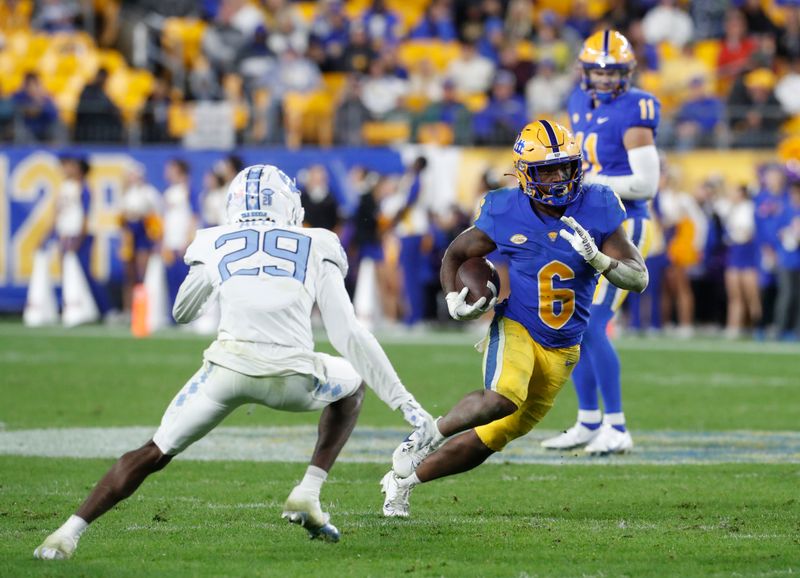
<point>264,192</point>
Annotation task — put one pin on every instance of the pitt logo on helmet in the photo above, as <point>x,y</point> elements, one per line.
<point>547,163</point>
<point>607,50</point>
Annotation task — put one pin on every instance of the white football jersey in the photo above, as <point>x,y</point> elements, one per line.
<point>266,277</point>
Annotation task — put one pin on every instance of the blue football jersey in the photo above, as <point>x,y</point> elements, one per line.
<point>601,130</point>
<point>551,284</point>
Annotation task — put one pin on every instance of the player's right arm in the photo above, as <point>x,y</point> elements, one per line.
<point>470,243</point>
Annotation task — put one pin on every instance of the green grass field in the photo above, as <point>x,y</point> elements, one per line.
<point>662,511</point>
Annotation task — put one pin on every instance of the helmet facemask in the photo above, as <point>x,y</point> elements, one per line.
<point>556,182</point>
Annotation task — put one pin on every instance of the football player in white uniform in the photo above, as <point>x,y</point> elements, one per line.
<point>268,272</point>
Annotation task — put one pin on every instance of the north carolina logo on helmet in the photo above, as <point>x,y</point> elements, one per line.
<point>264,192</point>
<point>607,50</point>
<point>547,163</point>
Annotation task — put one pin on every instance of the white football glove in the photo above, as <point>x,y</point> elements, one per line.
<point>420,420</point>
<point>460,310</point>
<point>583,244</point>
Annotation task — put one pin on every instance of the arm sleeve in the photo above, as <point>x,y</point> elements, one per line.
<point>642,183</point>
<point>354,342</point>
<point>193,294</point>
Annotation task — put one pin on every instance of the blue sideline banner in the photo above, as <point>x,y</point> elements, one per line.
<point>30,178</point>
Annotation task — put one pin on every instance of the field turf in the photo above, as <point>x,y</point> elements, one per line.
<point>584,517</point>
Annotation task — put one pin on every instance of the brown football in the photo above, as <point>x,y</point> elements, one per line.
<point>480,276</point>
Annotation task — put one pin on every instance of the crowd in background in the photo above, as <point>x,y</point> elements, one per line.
<point>442,71</point>
<point>722,259</point>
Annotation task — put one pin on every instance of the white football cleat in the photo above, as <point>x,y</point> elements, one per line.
<point>395,504</point>
<point>575,437</point>
<point>610,441</point>
<point>56,547</point>
<point>303,508</point>
<point>408,455</point>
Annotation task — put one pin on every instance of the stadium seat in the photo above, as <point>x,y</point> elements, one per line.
<point>440,54</point>
<point>475,102</point>
<point>182,36</point>
<point>307,11</point>
<point>308,117</point>
<point>179,119</point>
<point>381,133</point>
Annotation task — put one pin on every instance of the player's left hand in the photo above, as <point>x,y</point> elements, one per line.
<point>580,240</point>
<point>420,420</point>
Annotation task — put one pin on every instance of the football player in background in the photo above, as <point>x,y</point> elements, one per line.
<point>550,228</point>
<point>616,126</point>
<point>268,272</point>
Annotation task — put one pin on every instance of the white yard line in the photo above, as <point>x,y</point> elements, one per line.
<point>375,445</point>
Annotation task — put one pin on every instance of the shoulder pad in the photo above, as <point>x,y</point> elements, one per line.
<point>330,248</point>
<point>198,250</point>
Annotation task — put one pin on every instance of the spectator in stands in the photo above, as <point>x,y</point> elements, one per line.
<point>788,37</point>
<point>737,213</point>
<point>331,29</point>
<point>504,115</point>
<point>547,91</point>
<point>288,31</point>
<point>243,16</point>
<point>667,22</point>
<point>769,206</point>
<point>787,90</point>
<point>318,200</point>
<point>698,122</point>
<point>755,115</point>
<point>359,52</point>
<point>57,16</point>
<point>204,81</point>
<point>708,18</point>
<point>425,82</point>
<point>179,224</point>
<point>382,92</point>
<point>549,43</point>
<point>436,23</point>
<point>757,20</point>
<point>787,307</point>
<point>254,59</point>
<point>491,41</point>
<point>97,118</point>
<point>471,72</point>
<point>294,73</point>
<point>736,50</point>
<point>522,69</point>
<point>35,113</point>
<point>445,122</point>
<point>709,281</point>
<point>350,114</point>
<point>223,39</point>
<point>381,24</point>
<point>155,116</point>
<point>645,51</point>
<point>469,21</point>
<point>579,22</point>
<point>140,220</point>
<point>74,224</point>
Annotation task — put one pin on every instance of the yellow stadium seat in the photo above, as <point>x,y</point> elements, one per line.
<point>334,83</point>
<point>526,50</point>
<point>179,119</point>
<point>379,133</point>
<point>415,102</point>
<point>667,51</point>
<point>182,36</point>
<point>308,118</point>
<point>440,54</point>
<point>111,60</point>
<point>708,52</point>
<point>307,10</point>
<point>475,102</point>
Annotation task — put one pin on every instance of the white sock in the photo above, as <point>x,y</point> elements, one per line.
<point>615,418</point>
<point>74,526</point>
<point>314,479</point>
<point>438,438</point>
<point>590,416</point>
<point>410,481</point>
